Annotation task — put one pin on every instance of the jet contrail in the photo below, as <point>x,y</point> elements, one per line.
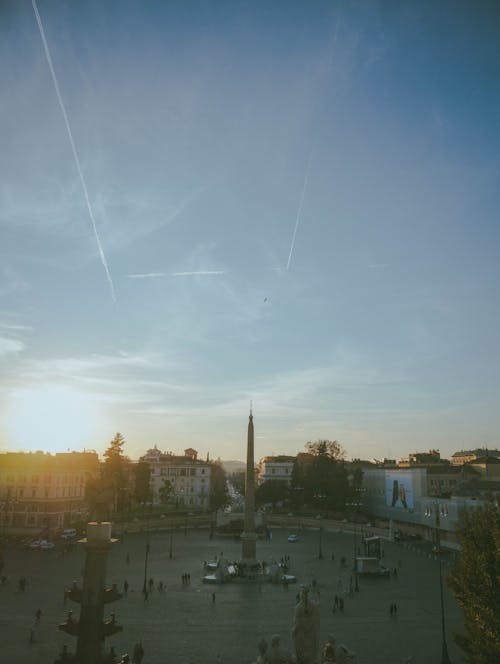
<point>299,211</point>
<point>157,275</point>
<point>73,148</point>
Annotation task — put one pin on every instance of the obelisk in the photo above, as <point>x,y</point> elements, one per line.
<point>249,536</point>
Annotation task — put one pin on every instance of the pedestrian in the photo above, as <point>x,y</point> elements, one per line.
<point>151,584</point>
<point>213,598</point>
<point>189,578</point>
<point>38,615</point>
<point>341,605</point>
<point>138,653</point>
<point>336,601</point>
<point>125,587</point>
<point>395,609</point>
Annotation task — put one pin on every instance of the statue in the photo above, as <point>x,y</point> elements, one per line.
<point>262,658</point>
<point>99,495</point>
<point>333,654</point>
<point>305,631</point>
<point>277,655</point>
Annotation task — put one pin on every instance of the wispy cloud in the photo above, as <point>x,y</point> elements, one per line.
<point>10,346</point>
<point>15,328</point>
<point>159,275</point>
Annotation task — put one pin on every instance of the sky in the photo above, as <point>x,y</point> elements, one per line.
<point>207,204</point>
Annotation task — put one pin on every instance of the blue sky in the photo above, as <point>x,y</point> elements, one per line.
<point>297,204</point>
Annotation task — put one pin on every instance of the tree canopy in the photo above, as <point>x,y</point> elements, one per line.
<point>219,494</point>
<point>142,489</point>
<point>115,469</point>
<point>271,491</point>
<point>319,478</point>
<point>475,582</point>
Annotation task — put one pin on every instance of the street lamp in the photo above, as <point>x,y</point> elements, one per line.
<point>443,512</point>
<point>144,585</point>
<point>320,552</point>
<point>171,542</point>
<point>355,566</point>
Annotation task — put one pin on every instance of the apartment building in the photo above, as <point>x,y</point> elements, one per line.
<point>44,491</point>
<point>188,476</point>
<point>275,468</point>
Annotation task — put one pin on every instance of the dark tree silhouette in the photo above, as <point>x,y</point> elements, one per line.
<point>475,581</point>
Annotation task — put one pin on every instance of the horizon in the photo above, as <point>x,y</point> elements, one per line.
<point>207,206</point>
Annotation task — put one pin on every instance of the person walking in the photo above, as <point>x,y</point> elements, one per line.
<point>213,598</point>
<point>38,615</point>
<point>125,587</point>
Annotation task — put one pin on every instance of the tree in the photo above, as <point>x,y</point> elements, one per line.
<point>474,580</point>
<point>328,448</point>
<point>115,469</point>
<point>219,495</point>
<point>272,491</point>
<point>142,489</point>
<point>166,491</point>
<point>320,478</point>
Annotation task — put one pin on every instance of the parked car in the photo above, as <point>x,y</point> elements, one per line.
<point>42,544</point>
<point>293,538</point>
<point>68,533</point>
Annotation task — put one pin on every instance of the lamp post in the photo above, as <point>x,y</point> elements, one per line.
<point>144,585</point>
<point>320,552</point>
<point>443,511</point>
<point>355,569</point>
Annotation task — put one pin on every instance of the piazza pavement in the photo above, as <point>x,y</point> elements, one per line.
<point>184,625</point>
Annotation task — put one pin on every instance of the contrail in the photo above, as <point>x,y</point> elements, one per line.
<point>157,275</point>
<point>73,148</point>
<point>299,210</point>
<point>331,49</point>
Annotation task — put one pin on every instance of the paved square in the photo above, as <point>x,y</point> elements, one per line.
<point>183,625</point>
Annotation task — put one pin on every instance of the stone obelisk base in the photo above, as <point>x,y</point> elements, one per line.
<point>249,547</point>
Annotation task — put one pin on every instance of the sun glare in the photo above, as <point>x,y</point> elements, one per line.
<point>52,419</point>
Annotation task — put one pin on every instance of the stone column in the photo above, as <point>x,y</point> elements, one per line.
<point>91,629</point>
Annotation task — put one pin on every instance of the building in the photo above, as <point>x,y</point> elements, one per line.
<point>189,477</point>
<point>44,491</point>
<point>466,456</point>
<point>430,457</point>
<point>275,468</point>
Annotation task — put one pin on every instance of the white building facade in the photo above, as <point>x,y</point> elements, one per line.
<point>189,477</point>
<point>275,468</point>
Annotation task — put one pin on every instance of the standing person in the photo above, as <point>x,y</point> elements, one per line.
<point>213,598</point>
<point>151,585</point>
<point>138,653</point>
<point>38,615</point>
<point>125,587</point>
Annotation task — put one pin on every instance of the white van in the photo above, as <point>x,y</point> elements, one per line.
<point>68,533</point>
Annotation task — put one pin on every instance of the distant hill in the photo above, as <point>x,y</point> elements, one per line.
<point>233,466</point>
